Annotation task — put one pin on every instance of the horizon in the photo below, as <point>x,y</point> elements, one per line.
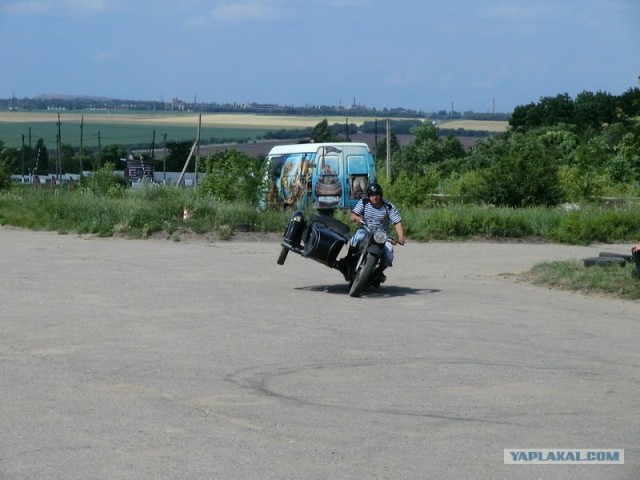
<point>102,98</point>
<point>423,55</point>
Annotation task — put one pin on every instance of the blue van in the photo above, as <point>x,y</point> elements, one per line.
<point>321,175</point>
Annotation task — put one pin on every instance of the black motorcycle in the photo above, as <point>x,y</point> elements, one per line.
<point>323,237</point>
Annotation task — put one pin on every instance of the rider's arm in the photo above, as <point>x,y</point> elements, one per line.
<point>400,232</point>
<point>357,214</point>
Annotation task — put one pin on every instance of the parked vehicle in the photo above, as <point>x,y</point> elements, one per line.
<point>322,238</point>
<point>325,176</point>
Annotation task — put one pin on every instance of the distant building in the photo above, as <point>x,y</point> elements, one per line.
<point>138,170</point>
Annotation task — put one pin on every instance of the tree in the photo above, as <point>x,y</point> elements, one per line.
<point>10,159</point>
<point>177,156</point>
<point>525,116</point>
<point>113,154</point>
<point>69,160</point>
<point>522,172</point>
<point>7,156</point>
<point>628,104</point>
<point>592,110</point>
<point>428,148</point>
<point>381,149</point>
<point>558,109</point>
<point>232,176</point>
<point>322,132</point>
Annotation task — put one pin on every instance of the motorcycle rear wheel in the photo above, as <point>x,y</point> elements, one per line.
<point>363,276</point>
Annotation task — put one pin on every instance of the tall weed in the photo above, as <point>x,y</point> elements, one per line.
<point>137,213</point>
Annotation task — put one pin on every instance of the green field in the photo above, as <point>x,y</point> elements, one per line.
<point>120,130</point>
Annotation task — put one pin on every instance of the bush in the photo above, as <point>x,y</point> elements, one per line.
<point>104,182</point>
<point>597,225</point>
<point>232,176</point>
<point>523,174</point>
<point>5,178</point>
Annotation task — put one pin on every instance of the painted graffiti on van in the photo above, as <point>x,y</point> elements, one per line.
<point>321,175</point>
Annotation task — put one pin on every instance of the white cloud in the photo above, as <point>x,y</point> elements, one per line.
<point>105,56</point>
<point>245,11</point>
<point>524,17</point>
<point>26,8</point>
<point>85,7</point>
<point>66,7</point>
<point>347,3</point>
<point>529,11</point>
<point>398,77</point>
<point>230,11</point>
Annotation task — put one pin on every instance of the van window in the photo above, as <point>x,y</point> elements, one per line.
<point>356,164</point>
<point>276,166</point>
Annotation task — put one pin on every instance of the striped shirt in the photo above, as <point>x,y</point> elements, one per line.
<point>382,216</point>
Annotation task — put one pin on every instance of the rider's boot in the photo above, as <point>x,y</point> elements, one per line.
<point>345,263</point>
<point>379,277</point>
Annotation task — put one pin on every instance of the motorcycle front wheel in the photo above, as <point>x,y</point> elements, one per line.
<point>363,276</point>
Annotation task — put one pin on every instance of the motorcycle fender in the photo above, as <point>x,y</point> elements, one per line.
<point>376,250</point>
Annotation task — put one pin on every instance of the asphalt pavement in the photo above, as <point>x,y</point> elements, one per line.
<point>159,359</point>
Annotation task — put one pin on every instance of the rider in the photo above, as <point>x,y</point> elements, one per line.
<point>377,212</point>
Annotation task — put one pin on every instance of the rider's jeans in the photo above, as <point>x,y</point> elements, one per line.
<point>388,248</point>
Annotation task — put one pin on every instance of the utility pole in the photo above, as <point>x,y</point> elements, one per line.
<point>195,176</point>
<point>388,154</point>
<point>164,160</point>
<point>22,169</point>
<point>59,148</point>
<point>375,136</point>
<point>153,145</point>
<point>153,155</point>
<point>30,155</point>
<point>35,170</point>
<point>81,142</point>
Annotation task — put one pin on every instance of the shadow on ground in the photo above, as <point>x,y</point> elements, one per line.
<point>383,291</point>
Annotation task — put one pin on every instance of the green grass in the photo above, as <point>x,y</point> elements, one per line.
<point>610,280</point>
<point>460,222</point>
<point>137,212</point>
<point>130,213</point>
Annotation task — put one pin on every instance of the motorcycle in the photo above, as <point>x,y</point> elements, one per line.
<point>322,238</point>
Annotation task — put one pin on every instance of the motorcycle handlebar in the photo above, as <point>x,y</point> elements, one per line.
<point>394,241</point>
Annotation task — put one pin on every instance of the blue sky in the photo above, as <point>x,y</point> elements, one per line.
<point>418,54</point>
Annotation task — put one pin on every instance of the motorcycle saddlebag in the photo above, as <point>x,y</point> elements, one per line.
<point>323,244</point>
<point>295,229</point>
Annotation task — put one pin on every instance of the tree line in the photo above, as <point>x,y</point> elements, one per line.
<point>556,150</point>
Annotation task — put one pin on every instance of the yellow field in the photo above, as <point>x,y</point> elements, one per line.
<point>485,125</point>
<point>180,119</point>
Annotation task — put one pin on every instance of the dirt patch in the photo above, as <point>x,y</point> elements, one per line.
<point>213,237</point>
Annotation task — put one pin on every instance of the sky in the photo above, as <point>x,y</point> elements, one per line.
<point>426,55</point>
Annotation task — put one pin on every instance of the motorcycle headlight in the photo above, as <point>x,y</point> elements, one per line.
<point>380,237</point>
<point>298,216</point>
